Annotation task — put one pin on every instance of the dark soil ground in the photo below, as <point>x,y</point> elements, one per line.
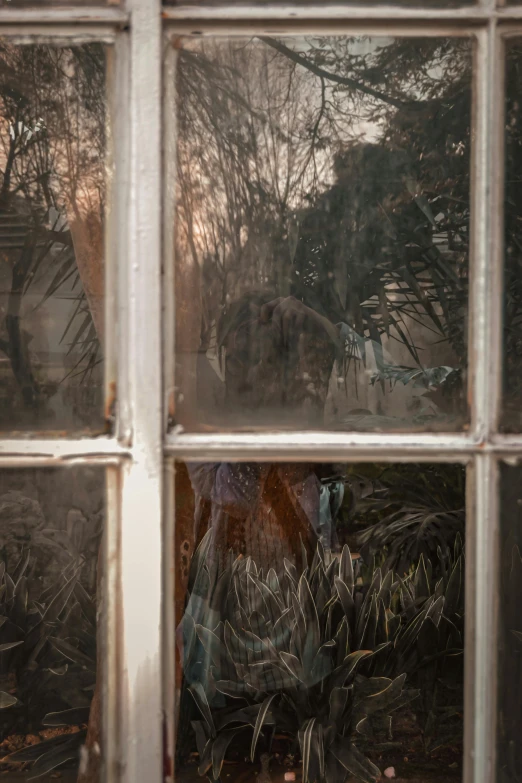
<point>21,772</point>
<point>406,754</point>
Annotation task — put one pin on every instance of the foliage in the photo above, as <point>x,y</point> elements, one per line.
<point>288,191</point>
<point>315,656</point>
<point>409,511</point>
<point>47,656</point>
<point>53,106</point>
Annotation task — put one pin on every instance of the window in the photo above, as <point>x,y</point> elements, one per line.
<point>260,269</point>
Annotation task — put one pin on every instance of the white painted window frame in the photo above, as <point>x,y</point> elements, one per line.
<point>139,455</point>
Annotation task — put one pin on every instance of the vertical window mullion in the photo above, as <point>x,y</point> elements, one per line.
<point>480,644</point>
<point>485,369</point>
<point>141,497</point>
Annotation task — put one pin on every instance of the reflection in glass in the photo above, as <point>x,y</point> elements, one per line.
<point>52,195</point>
<point>319,614</point>
<point>417,3</point>
<point>14,4</point>
<point>512,417</point>
<point>51,522</point>
<point>322,232</point>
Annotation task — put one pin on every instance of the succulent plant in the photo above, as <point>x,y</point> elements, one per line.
<point>315,656</point>
<point>47,657</point>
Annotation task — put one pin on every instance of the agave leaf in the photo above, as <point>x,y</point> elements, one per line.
<point>367,640</point>
<point>299,631</point>
<point>202,737</point>
<point>73,653</point>
<point>236,648</point>
<point>205,759</point>
<point>272,581</point>
<point>316,766</point>
<point>293,664</point>
<point>67,751</point>
<point>305,739</point>
<point>354,761</point>
<point>273,603</point>
<point>258,625</point>
<point>266,676</point>
<point>259,723</point>
<point>435,610</point>
<point>364,727</point>
<point>362,617</point>
<point>304,556</point>
<point>200,697</point>
<point>282,631</point>
<point>381,630</point>
<point>346,671</point>
<point>9,646</point>
<point>7,700</point>
<point>313,630</point>
<point>385,593</point>
<point>339,697</point>
<point>235,690</point>
<point>291,571</point>
<point>219,748</point>
<point>420,581</point>
<point>453,590</point>
<point>318,558</point>
<point>383,698</point>
<point>61,598</point>
<point>71,717</point>
<point>323,663</point>
<point>21,566</point>
<point>346,568</point>
<point>210,643</point>
<point>51,753</point>
<point>345,597</point>
<point>334,770</point>
<point>258,649</point>
<point>10,587</point>
<point>341,638</point>
<point>332,571</point>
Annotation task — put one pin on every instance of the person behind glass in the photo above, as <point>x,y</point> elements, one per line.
<point>278,358</point>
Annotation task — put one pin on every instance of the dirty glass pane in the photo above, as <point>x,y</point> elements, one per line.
<point>14,4</point>
<point>51,523</point>
<point>301,654</point>
<point>52,197</point>
<point>400,3</point>
<point>512,407</point>
<point>509,712</point>
<point>322,233</point>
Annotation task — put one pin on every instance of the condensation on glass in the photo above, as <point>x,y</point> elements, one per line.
<point>512,411</point>
<point>319,615</point>
<point>52,199</point>
<point>322,233</point>
<point>51,522</point>
<point>509,712</point>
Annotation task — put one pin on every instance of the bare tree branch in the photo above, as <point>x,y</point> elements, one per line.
<point>334,77</point>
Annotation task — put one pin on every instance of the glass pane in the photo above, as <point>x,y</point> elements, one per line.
<point>14,4</point>
<point>52,195</point>
<point>418,3</point>
<point>509,752</point>
<point>51,523</point>
<point>512,408</point>
<point>322,233</point>
<point>302,592</point>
